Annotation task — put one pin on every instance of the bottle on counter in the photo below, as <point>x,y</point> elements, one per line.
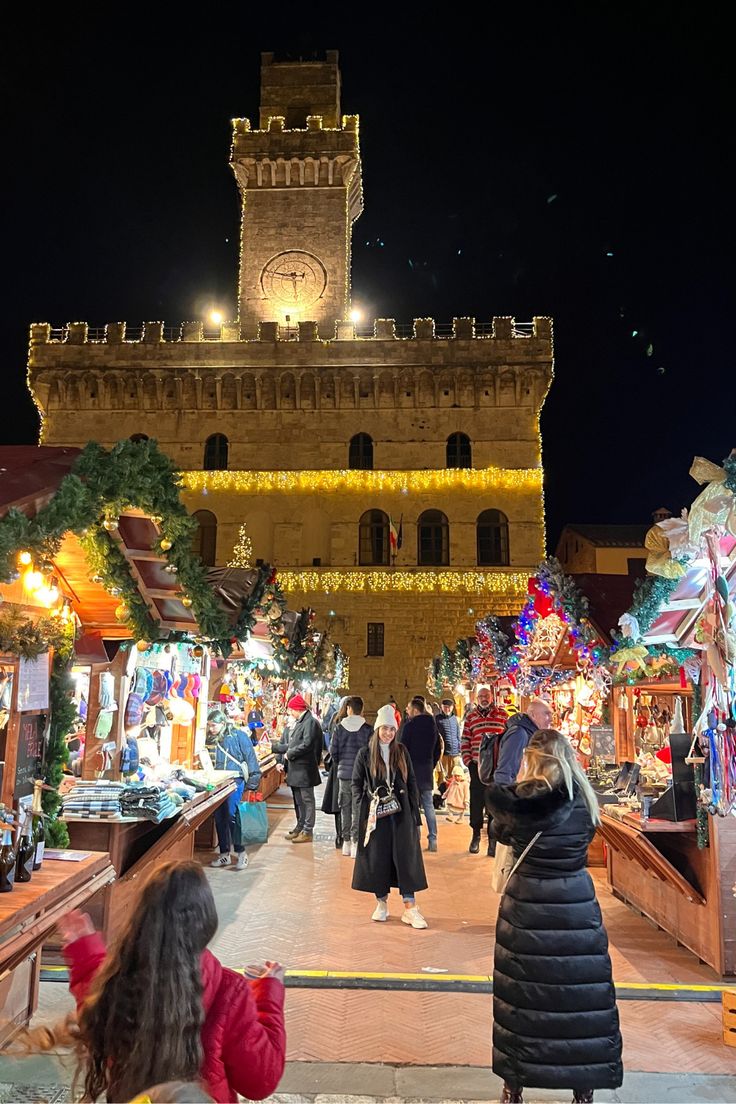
<point>7,858</point>
<point>38,831</point>
<point>24,856</point>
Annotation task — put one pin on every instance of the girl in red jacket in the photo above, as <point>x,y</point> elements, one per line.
<point>160,1007</point>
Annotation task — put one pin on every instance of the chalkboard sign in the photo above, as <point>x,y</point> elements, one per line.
<point>603,742</point>
<point>30,753</point>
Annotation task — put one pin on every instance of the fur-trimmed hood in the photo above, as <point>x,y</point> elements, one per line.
<point>543,811</point>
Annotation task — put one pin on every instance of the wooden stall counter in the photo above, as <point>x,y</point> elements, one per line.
<point>28,915</point>
<point>138,846</point>
<point>657,867</point>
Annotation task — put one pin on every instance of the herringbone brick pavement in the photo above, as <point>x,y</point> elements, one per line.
<point>294,904</point>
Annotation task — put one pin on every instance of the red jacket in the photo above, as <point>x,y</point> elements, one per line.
<point>243,1036</point>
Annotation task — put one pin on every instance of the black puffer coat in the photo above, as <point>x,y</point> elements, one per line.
<point>393,856</point>
<point>555,1021</point>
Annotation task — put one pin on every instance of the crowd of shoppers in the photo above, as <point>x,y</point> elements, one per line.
<point>555,1019</point>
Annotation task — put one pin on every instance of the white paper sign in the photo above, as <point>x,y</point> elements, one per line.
<point>33,683</point>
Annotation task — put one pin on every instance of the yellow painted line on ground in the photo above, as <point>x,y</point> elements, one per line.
<point>378,975</point>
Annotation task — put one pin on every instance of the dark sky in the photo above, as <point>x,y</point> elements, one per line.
<point>565,159</point>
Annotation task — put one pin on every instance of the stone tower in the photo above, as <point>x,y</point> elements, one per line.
<point>329,443</point>
<point>300,186</point>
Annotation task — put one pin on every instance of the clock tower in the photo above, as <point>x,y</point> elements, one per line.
<point>300,182</point>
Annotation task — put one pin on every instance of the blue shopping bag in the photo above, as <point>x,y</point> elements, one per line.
<point>253,820</point>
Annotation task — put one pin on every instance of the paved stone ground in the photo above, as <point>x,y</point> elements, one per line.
<point>294,903</point>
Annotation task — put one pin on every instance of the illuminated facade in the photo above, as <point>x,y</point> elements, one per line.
<point>329,443</point>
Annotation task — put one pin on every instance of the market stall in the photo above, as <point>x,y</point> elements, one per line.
<point>108,623</point>
<point>672,834</point>
<point>28,917</point>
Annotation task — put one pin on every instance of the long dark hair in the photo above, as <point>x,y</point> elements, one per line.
<point>140,1023</point>
<point>396,759</point>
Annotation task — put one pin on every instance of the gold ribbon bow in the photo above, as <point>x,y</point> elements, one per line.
<point>636,655</point>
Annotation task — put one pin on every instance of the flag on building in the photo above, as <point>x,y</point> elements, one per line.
<point>396,536</point>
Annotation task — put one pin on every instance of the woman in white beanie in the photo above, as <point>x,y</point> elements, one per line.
<point>389,853</point>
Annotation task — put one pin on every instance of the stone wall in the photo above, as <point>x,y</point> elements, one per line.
<point>415,628</point>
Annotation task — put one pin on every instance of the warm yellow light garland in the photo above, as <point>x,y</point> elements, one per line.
<point>364,482</point>
<point>511,584</point>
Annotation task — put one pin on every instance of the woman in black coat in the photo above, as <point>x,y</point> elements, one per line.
<point>555,1021</point>
<point>383,780</point>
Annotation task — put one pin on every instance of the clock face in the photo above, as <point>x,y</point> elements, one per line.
<point>294,279</point>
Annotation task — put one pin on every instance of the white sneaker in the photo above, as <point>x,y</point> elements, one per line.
<point>354,849</point>
<point>346,848</point>
<point>241,860</point>
<point>221,860</point>
<point>381,912</point>
<point>414,917</point>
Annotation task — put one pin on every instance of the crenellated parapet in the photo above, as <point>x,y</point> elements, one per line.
<point>499,329</point>
<point>464,365</point>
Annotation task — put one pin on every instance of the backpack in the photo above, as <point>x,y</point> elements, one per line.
<point>488,756</point>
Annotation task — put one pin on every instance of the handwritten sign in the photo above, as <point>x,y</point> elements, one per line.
<point>30,754</point>
<point>33,683</point>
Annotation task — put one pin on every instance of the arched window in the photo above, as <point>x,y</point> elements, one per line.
<point>204,543</point>
<point>215,452</point>
<point>136,437</point>
<point>459,453</point>
<point>433,539</point>
<point>360,455</point>
<point>373,543</point>
<point>493,539</point>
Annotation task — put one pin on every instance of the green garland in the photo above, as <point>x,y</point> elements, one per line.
<point>22,637</point>
<point>63,711</point>
<point>729,465</point>
<point>101,485</point>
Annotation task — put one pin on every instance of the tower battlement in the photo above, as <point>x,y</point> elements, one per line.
<point>499,329</point>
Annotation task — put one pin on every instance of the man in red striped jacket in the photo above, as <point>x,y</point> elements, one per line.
<point>483,719</point>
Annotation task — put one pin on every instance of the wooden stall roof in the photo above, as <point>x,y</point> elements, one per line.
<point>676,621</point>
<point>29,478</point>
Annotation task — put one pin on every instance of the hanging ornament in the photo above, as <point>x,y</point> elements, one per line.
<point>171,569</point>
<point>165,544</point>
<point>115,591</point>
<point>197,650</point>
<point>186,601</point>
<point>142,645</point>
<point>121,611</point>
<point>156,519</point>
<point>97,579</point>
<point>110,524</point>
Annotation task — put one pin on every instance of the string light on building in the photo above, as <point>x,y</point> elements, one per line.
<point>512,584</point>
<point>364,482</point>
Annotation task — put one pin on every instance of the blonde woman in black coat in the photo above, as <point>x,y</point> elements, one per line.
<point>555,1021</point>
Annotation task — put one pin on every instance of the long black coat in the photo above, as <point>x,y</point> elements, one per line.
<point>555,1021</point>
<point>303,752</point>
<point>393,856</point>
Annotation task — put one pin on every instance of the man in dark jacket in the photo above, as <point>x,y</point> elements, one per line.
<point>448,727</point>
<point>516,735</point>
<point>349,737</point>
<point>421,739</point>
<point>303,754</point>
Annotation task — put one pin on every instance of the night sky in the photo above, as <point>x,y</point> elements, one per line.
<point>569,159</point>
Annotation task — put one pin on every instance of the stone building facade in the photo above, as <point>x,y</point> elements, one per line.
<point>326,441</point>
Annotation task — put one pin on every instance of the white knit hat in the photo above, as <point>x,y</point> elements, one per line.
<point>385,716</point>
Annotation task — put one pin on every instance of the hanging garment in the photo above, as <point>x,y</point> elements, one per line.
<point>106,698</point>
<point>103,724</point>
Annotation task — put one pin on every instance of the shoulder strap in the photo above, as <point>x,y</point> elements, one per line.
<point>521,857</point>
